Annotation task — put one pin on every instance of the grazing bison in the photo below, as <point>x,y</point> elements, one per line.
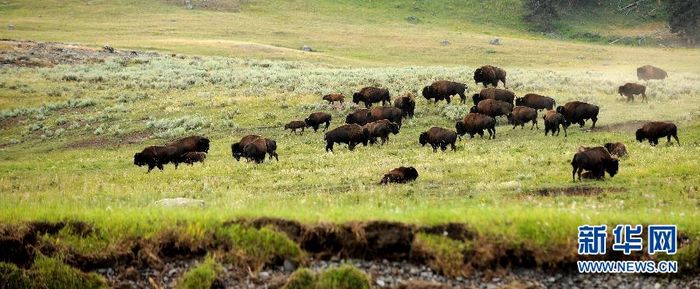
<point>552,121</point>
<point>360,116</point>
<point>579,112</point>
<point>438,137</point>
<point>317,118</point>
<point>272,149</point>
<point>370,95</point>
<point>492,107</point>
<point>444,89</point>
<point>617,149</point>
<point>381,129</point>
<point>400,175</point>
<point>351,134</point>
<point>334,97</point>
<point>256,150</point>
<point>521,115</point>
<point>475,123</point>
<point>647,72</point>
<point>155,156</point>
<point>630,89</point>
<point>494,93</point>
<point>237,148</point>
<point>655,130</point>
<point>390,113</point>
<point>194,157</point>
<point>597,160</point>
<point>406,104</point>
<point>295,125</point>
<point>191,144</point>
<point>536,101</point>
<point>488,74</point>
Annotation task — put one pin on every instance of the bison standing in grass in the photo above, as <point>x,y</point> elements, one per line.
<point>629,90</point>
<point>488,74</point>
<point>444,89</point>
<point>334,97</point>
<point>655,130</point>
<point>295,125</point>
<point>186,145</point>
<point>381,129</point>
<point>238,149</point>
<point>194,157</point>
<point>360,116</point>
<point>439,137</point>
<point>317,118</point>
<point>597,160</point>
<point>494,93</point>
<point>552,121</point>
<point>370,95</point>
<point>350,134</point>
<point>647,72</point>
<point>155,156</point>
<point>579,112</point>
<point>475,123</point>
<point>536,101</point>
<point>390,113</point>
<point>492,108</point>
<point>400,175</point>
<point>406,104</point>
<point>256,150</point>
<point>521,115</point>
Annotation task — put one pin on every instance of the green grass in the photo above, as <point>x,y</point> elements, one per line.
<point>343,277</point>
<point>202,276</point>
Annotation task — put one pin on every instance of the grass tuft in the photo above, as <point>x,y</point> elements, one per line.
<point>343,277</point>
<point>202,276</point>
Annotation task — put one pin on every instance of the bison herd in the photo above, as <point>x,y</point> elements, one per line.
<point>374,125</point>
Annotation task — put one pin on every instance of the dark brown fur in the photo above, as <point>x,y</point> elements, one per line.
<point>334,97</point>
<point>370,95</point>
<point>391,113</point>
<point>381,129</point>
<point>492,107</point>
<point>475,123</point>
<point>536,101</point>
<point>444,89</point>
<point>351,134</point>
<point>406,104</point>
<point>317,118</point>
<point>488,74</point>
<point>360,116</point>
<point>655,130</point>
<point>194,157</point>
<point>521,115</point>
<point>597,160</point>
<point>494,93</point>
<point>256,150</point>
<point>400,175</point>
<point>647,72</point>
<point>237,148</point>
<point>629,90</point>
<point>439,137</point>
<point>552,121</point>
<point>156,156</point>
<point>295,125</point>
<point>579,112</point>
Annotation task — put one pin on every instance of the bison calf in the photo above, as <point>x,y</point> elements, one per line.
<point>295,125</point>
<point>629,90</point>
<point>439,137</point>
<point>400,175</point>
<point>155,156</point>
<point>552,121</point>
<point>655,130</point>
<point>334,97</point>
<point>370,95</point>
<point>475,123</point>
<point>193,157</point>
<point>381,129</point>
<point>522,115</point>
<point>317,118</point>
<point>350,134</point>
<point>597,160</point>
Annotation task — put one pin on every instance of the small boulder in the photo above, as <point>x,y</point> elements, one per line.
<point>445,42</point>
<point>495,41</point>
<point>107,48</point>
<point>180,202</point>
<point>412,19</point>
<point>307,48</point>
<point>10,27</point>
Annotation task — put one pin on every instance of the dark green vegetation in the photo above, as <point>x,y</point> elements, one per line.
<point>47,273</point>
<point>202,276</point>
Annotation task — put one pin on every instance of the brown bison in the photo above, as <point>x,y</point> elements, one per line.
<point>156,156</point>
<point>444,89</point>
<point>360,116</point>
<point>351,134</point>
<point>256,150</point>
<point>370,95</point>
<point>317,118</point>
<point>475,123</point>
<point>400,175</point>
<point>492,107</point>
<point>381,129</point>
<point>334,97</point>
<point>521,115</point>
<point>579,112</point>
<point>630,89</point>
<point>655,130</point>
<point>194,157</point>
<point>552,121</point>
<point>647,72</point>
<point>494,93</point>
<point>597,160</point>
<point>406,104</point>
<point>488,74</point>
<point>439,137</point>
<point>617,149</point>
<point>390,113</point>
<point>536,101</point>
<point>295,125</point>
<point>238,149</point>
<point>191,144</point>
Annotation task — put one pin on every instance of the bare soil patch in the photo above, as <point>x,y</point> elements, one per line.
<point>628,126</point>
<point>14,53</point>
<point>576,191</point>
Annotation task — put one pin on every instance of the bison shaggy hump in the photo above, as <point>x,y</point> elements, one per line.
<point>444,89</point>
<point>400,175</point>
<point>351,134</point>
<point>334,97</point>
<point>629,90</point>
<point>597,160</point>
<point>521,115</point>
<point>317,118</point>
<point>475,123</point>
<point>370,95</point>
<point>155,156</point>
<point>536,101</point>
<point>579,112</point>
<point>647,72</point>
<point>494,93</point>
<point>488,74</point>
<point>492,107</point>
<point>191,144</point>
<point>406,104</point>
<point>655,130</point>
<point>439,137</point>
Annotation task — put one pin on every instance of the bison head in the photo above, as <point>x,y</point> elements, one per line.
<point>393,127</point>
<point>477,75</point>
<point>560,109</point>
<point>203,145</point>
<point>461,128</point>
<point>639,134</point>
<point>140,159</point>
<point>620,89</point>
<point>476,98</point>
<point>327,97</point>
<point>519,101</point>
<point>426,92</point>
<point>356,97</point>
<point>411,173</point>
<point>236,151</point>
<point>423,138</point>
<point>612,166</point>
<point>474,109</point>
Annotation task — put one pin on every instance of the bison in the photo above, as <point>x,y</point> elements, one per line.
<point>191,144</point>
<point>360,116</point>
<point>334,97</point>
<point>295,125</point>
<point>256,150</point>
<point>351,134</point>
<point>194,157</point>
<point>444,89</point>
<point>647,72</point>
<point>490,75</point>
<point>655,130</point>
<point>406,104</point>
<point>494,93</point>
<point>630,89</point>
<point>381,129</point>
<point>579,112</point>
<point>237,148</point>
<point>597,160</point>
<point>617,149</point>
<point>438,137</point>
<point>390,113</point>
<point>317,118</point>
<point>521,115</point>
<point>370,95</point>
<point>536,101</point>
<point>552,121</point>
<point>155,156</point>
<point>492,108</point>
<point>475,123</point>
<point>400,175</point>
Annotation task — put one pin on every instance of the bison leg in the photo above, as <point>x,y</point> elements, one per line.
<point>328,123</point>
<point>463,98</point>
<point>351,146</point>
<point>481,133</point>
<point>150,167</point>
<point>453,147</point>
<point>594,119</point>
<point>385,139</point>
<point>534,124</point>
<point>573,172</point>
<point>329,146</point>
<point>434,147</point>
<point>443,146</point>
<point>448,99</point>
<point>676,138</point>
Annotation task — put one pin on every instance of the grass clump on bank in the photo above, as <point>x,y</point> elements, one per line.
<point>301,279</point>
<point>51,273</point>
<point>203,276</point>
<point>343,277</point>
<point>12,277</point>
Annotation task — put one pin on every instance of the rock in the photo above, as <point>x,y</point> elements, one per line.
<point>264,275</point>
<point>10,27</point>
<point>307,48</point>
<point>108,48</point>
<point>380,282</point>
<point>495,41</point>
<point>412,19</point>
<point>289,266</point>
<point>179,202</point>
<point>445,42</point>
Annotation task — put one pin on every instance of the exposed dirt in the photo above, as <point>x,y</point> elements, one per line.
<point>576,191</point>
<point>628,126</point>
